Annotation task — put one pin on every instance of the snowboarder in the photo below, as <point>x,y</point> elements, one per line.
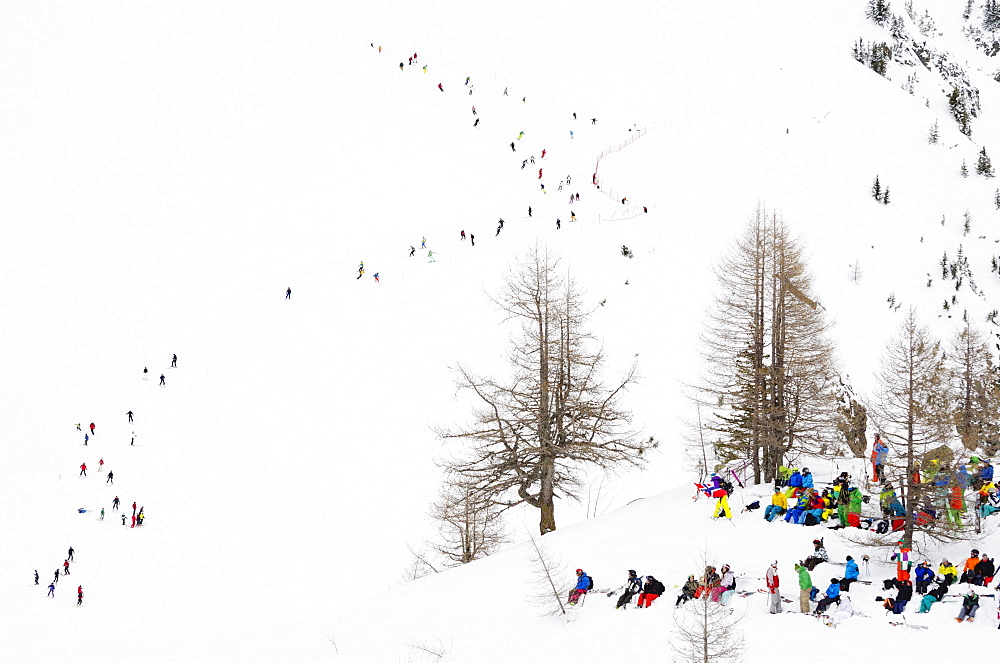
<point>69,554</point>
<point>111,478</point>
<point>467,79</point>
<point>425,69</point>
<point>401,66</point>
<point>520,136</point>
<point>52,590</point>
<point>361,271</point>
<point>583,585</point>
<point>130,416</point>
<point>543,154</point>
<point>83,469</point>
<point>805,588</point>
<point>115,502</point>
<point>505,92</point>
<point>288,295</point>
<point>774,595</point>
<point>78,427</point>
<point>163,380</point>
<point>102,514</point>
<point>413,250</point>
<point>36,576</point>
<point>524,163</point>
<point>473,110</point>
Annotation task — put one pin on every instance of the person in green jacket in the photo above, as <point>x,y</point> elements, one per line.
<point>857,500</point>
<point>805,588</point>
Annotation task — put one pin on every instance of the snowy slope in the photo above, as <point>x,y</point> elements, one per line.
<point>171,170</point>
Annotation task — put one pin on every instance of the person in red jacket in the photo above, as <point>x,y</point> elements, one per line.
<point>92,427</point>
<point>650,592</point>
<point>66,568</point>
<point>774,596</point>
<point>83,469</point>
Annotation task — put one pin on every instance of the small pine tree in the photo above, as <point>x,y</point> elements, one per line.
<point>885,196</point>
<point>968,10</point>
<point>878,11</point>
<point>877,190</point>
<point>966,223</point>
<point>996,198</point>
<point>933,135</point>
<point>983,165</point>
<point>965,169</point>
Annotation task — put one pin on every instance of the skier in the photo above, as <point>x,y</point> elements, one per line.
<point>173,362</point>
<point>163,380</point>
<point>92,427</point>
<point>133,521</point>
<point>572,216</point>
<point>36,576</point>
<point>593,120</point>
<point>505,92</point>
<point>69,554</point>
<point>83,469</point>
<point>463,235</point>
<point>512,146</point>
<point>123,520</point>
<point>66,568</point>
<point>361,270</point>
<point>473,110</point>
<point>623,200</point>
<point>501,223</point>
<point>102,513</point>
<point>145,376</point>
<point>423,242</point>
<point>524,163</point>
<point>425,69</point>
<point>574,116</point>
<point>376,278</point>
<point>130,416</point>
<point>467,79</point>
<point>571,134</point>
<point>520,135</point>
<point>86,438</point>
<point>532,159</point>
<point>115,502</point>
<point>632,587</point>
<point>100,465</point>
<point>774,596</point>
<point>78,426</point>
<point>558,224</point>
<point>879,451</point>
<point>132,443</point>
<point>430,256</point>
<point>583,585</point>
<point>529,211</point>
<point>401,66</point>
<point>472,238</point>
<point>650,592</point>
<point>111,478</point>
<point>79,595</point>
<point>288,295</point>
<point>543,154</point>
<point>476,123</point>
<point>440,88</point>
<point>52,590</point>
<point>539,173</point>
<point>543,188</point>
<point>412,250</point>
<point>133,508</point>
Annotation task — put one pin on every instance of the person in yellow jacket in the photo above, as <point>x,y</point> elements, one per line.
<point>948,571</point>
<point>779,504</point>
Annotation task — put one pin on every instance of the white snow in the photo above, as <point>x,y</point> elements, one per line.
<point>169,170</point>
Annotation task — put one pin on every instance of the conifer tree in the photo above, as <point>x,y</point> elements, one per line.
<point>964,170</point>
<point>885,196</point>
<point>983,165</point>
<point>975,397</point>
<point>933,136</point>
<point>878,11</point>
<point>996,198</point>
<point>877,190</point>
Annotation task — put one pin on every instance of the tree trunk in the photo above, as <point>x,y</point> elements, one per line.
<point>546,499</point>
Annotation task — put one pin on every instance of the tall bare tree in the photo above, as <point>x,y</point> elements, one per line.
<point>911,409</point>
<point>770,369</point>
<point>976,397</point>
<point>533,434</point>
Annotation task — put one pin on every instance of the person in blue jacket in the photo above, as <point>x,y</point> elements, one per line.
<point>807,478</point>
<point>850,574</point>
<point>832,596</point>
<point>963,477</point>
<point>795,481</point>
<point>797,512</point>
<point>924,575</point>
<point>985,475</point>
<point>583,584</point>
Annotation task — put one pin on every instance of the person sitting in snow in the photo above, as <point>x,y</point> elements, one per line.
<point>778,505</point>
<point>650,592</point>
<point>985,571</point>
<point>969,570</point>
<point>818,556</point>
<point>797,513</point>
<point>583,585</point>
<point>807,478</point>
<point>850,574</point>
<point>970,603</point>
<point>708,582</point>
<point>992,504</point>
<point>933,596</point>
<point>923,576</point>
<point>832,596</point>
<point>948,571</point>
<point>632,587</point>
<point>727,586</point>
<point>687,591</point>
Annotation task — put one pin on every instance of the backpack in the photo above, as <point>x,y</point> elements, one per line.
<point>811,519</point>
<point>813,593</point>
<point>752,506</point>
<point>590,583</point>
<point>727,486</point>
<point>882,527</point>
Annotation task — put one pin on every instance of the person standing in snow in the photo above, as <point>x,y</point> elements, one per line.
<point>69,554</point>
<point>163,380</point>
<point>114,503</point>
<point>430,256</point>
<point>123,519</point>
<point>805,588</point>
<point>36,576</point>
<point>92,427</point>
<point>773,582</point>
<point>102,514</point>
<point>879,451</point>
<point>472,238</point>
<point>52,590</point>
<point>86,438</point>
<point>462,234</point>
<point>529,211</point>
<point>173,362</point>
<point>129,416</point>
<point>539,173</point>
<point>79,595</point>
<point>111,478</point>
<point>375,276</point>
<point>83,469</point>
<point>66,568</point>
<point>423,242</point>
<point>100,465</point>
<point>288,295</point>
